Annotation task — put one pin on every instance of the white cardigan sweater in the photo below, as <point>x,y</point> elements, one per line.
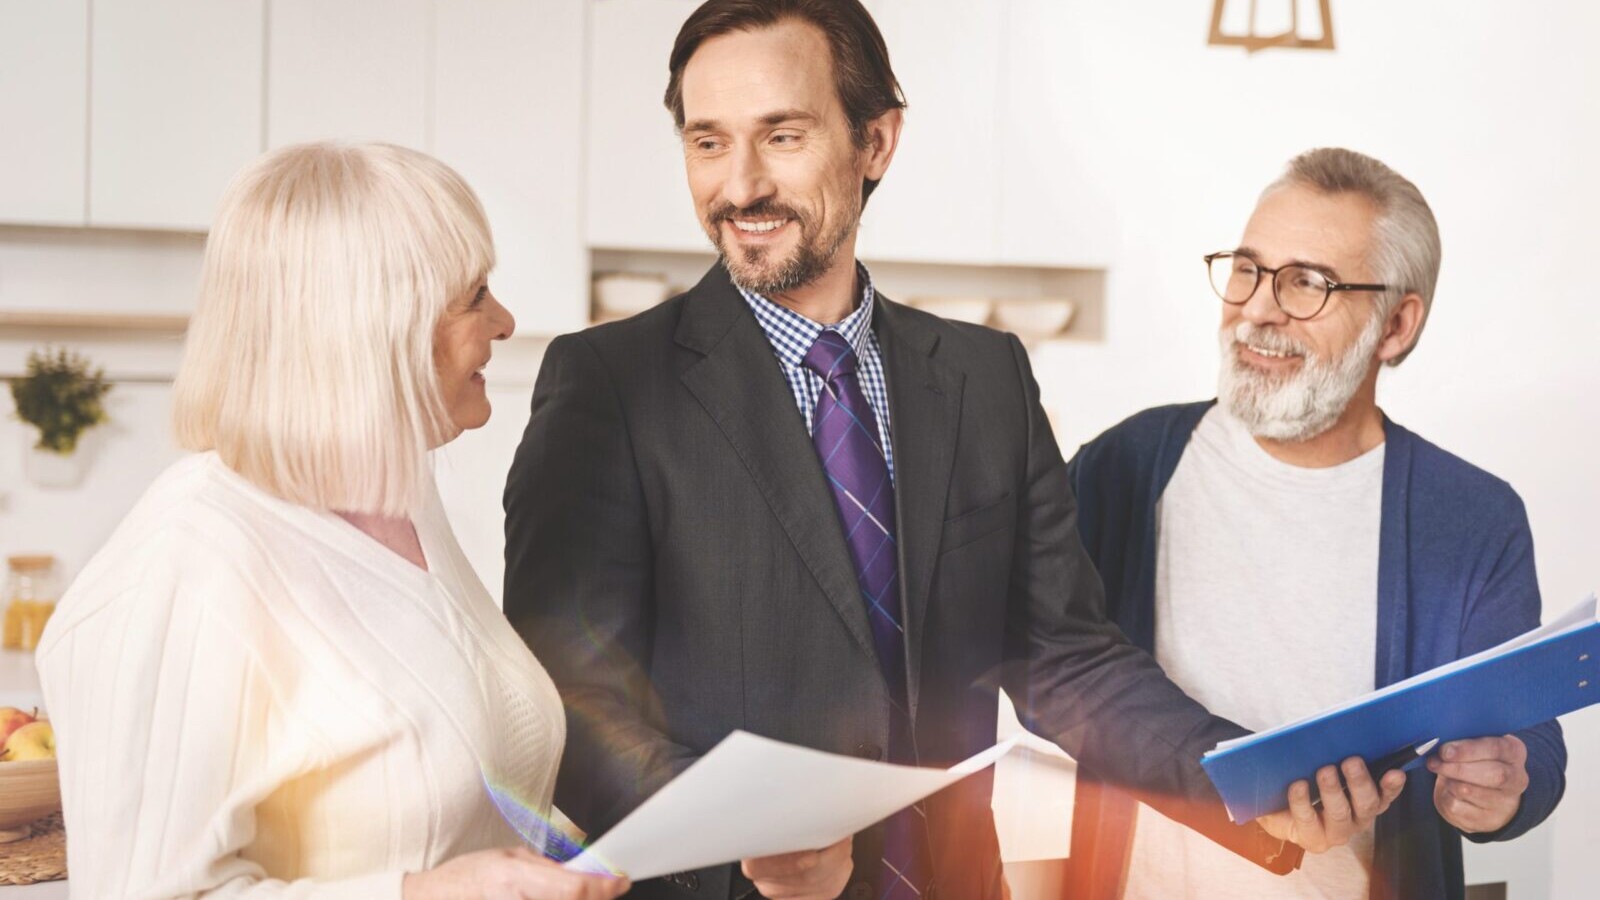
<point>253,698</point>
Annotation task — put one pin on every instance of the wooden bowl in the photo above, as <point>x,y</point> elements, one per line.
<point>29,791</point>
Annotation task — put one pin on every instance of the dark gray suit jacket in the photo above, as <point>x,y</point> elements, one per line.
<point>674,558</point>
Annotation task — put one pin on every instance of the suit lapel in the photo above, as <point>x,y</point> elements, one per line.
<point>924,413</point>
<point>738,383</point>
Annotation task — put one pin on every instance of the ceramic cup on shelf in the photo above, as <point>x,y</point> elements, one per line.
<point>1041,317</point>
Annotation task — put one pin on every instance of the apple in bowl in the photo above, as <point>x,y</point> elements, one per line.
<point>35,740</point>
<point>30,784</point>
<point>11,719</point>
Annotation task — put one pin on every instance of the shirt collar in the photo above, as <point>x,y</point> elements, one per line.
<point>792,334</point>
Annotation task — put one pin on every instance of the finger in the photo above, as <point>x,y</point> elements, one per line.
<point>1490,774</point>
<point>1392,784</point>
<point>1364,798</point>
<point>1476,749</point>
<point>1307,829</point>
<point>1481,797</point>
<point>537,882</point>
<point>1459,810</point>
<point>1336,812</point>
<point>782,866</point>
<point>823,880</point>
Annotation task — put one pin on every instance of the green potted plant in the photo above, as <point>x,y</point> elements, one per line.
<point>61,396</point>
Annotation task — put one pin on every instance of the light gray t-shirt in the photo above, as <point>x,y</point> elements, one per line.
<point>1266,610</point>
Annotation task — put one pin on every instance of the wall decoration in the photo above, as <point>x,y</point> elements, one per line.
<point>1298,35</point>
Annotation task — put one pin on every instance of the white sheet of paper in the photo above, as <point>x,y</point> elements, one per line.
<point>753,796</point>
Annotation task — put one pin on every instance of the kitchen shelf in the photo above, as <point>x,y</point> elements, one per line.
<point>910,282</point>
<point>92,321</point>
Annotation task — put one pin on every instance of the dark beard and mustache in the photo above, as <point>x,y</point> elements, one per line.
<point>753,269</point>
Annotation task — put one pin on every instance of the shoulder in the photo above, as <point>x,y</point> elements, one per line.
<point>1452,488</point>
<point>192,533</point>
<point>1137,440</point>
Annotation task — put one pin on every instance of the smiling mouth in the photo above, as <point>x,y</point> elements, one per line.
<point>1269,354</point>
<point>758,226</point>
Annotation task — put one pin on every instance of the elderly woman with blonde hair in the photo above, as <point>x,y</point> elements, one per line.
<point>280,676</point>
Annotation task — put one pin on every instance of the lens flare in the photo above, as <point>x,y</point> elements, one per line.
<point>543,835</point>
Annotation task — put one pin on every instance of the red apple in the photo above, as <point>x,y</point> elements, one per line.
<point>11,719</point>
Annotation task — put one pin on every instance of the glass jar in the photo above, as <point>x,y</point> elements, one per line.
<point>30,596</point>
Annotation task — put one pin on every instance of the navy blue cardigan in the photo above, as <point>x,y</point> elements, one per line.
<point>1455,576</point>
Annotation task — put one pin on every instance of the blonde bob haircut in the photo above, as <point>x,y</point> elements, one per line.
<point>309,364</point>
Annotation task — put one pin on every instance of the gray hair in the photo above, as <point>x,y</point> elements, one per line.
<point>1406,249</point>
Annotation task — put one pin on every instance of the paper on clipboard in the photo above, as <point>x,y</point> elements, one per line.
<point>753,796</point>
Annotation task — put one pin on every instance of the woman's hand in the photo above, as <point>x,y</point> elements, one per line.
<point>511,874</point>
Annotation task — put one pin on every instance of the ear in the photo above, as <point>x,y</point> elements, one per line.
<point>1400,331</point>
<point>883,136</point>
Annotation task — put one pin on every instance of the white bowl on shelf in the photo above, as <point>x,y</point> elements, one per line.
<point>1043,317</point>
<point>959,309</point>
<point>619,294</point>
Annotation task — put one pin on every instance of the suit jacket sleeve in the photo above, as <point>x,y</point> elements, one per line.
<point>1507,606</point>
<point>1078,681</point>
<point>578,586</point>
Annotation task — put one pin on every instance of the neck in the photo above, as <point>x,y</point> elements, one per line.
<point>1358,429</point>
<point>830,298</point>
<point>396,533</point>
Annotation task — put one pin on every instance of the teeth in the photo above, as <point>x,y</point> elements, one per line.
<point>1274,354</point>
<point>758,227</point>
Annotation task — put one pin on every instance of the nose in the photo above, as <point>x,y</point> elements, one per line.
<point>505,323</point>
<point>748,182</point>
<point>1262,308</point>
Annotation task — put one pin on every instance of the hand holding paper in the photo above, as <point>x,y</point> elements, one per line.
<point>754,797</point>
<point>1481,782</point>
<point>1532,678</point>
<point>1345,810</point>
<point>804,875</point>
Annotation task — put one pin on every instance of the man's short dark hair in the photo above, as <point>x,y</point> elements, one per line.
<point>862,77</point>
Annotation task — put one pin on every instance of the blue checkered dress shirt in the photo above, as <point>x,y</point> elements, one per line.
<point>792,335</point>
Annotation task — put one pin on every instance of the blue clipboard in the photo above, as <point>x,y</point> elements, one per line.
<point>1548,672</point>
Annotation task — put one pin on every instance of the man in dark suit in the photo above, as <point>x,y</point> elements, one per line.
<point>784,504</point>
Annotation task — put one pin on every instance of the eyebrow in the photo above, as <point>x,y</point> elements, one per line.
<point>1326,270</point>
<point>772,118</point>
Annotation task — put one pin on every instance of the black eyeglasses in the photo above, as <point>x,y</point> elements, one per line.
<point>1300,291</point>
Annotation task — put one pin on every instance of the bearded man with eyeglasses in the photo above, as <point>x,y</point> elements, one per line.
<point>1287,546</point>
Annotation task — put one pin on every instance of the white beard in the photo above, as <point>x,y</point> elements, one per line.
<point>1303,405</point>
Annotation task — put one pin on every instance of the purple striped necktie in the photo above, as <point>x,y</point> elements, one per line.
<point>845,433</point>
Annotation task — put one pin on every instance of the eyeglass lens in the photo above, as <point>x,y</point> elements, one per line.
<point>1300,291</point>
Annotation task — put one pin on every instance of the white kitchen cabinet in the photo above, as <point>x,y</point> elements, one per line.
<point>350,70</point>
<point>939,201</point>
<point>638,195</point>
<point>44,95</point>
<point>1055,205</point>
<point>175,108</point>
<point>508,115</point>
